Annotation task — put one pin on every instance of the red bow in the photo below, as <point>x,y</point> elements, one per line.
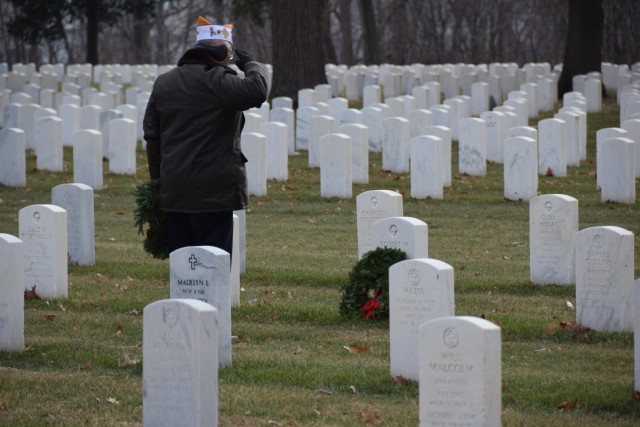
<point>370,307</point>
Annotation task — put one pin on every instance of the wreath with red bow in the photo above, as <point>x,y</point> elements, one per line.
<point>367,293</point>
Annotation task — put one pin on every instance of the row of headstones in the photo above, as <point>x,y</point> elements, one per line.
<point>459,366</point>
<point>390,232</point>
<point>495,136</point>
<point>459,79</point>
<point>52,236</point>
<point>87,152</point>
<point>598,260</point>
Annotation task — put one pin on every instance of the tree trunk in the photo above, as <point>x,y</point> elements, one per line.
<point>372,48</point>
<point>583,49</point>
<point>298,46</point>
<point>346,46</point>
<point>92,31</point>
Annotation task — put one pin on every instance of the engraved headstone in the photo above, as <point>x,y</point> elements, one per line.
<point>426,176</point>
<point>77,200</point>
<point>444,133</point>
<point>87,158</point>
<point>604,278</point>
<point>70,115</point>
<point>319,126</point>
<point>373,119</point>
<point>472,147</point>
<point>254,147</point>
<point>277,151</point>
<point>359,135</point>
<point>460,372</point>
<point>617,170</point>
<point>303,115</point>
<point>234,278</point>
<point>552,151</point>
<point>419,290</point>
<point>408,234</point>
<point>632,126</point>
<point>13,160</point>
<point>48,143</point>
<point>520,168</point>
<point>286,116</point>
<point>122,146</point>
<point>203,273</point>
<point>335,165</point>
<point>553,224</point>
<point>370,207</point>
<point>43,229</point>
<point>11,293</point>
<point>395,145</point>
<point>495,134</point>
<point>180,369</point>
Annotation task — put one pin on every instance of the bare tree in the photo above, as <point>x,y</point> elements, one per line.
<point>299,50</point>
<point>582,51</point>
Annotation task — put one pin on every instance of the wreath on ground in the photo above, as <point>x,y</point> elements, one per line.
<point>146,212</point>
<point>367,292</point>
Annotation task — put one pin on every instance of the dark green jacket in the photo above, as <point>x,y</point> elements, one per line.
<point>192,127</point>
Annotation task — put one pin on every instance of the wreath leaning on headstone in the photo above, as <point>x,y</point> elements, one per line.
<point>367,292</point>
<point>146,211</point>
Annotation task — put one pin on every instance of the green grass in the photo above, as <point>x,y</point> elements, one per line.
<point>291,360</point>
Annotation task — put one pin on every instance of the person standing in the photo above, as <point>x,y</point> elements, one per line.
<point>192,127</point>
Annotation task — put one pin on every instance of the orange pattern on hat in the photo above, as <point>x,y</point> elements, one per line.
<point>203,21</point>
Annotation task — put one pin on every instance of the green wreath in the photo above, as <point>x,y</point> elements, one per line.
<point>146,211</point>
<point>367,292</point>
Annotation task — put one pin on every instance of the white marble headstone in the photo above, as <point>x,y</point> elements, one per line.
<point>359,135</point>
<point>13,159</point>
<point>87,158</point>
<point>604,278</point>
<point>203,273</point>
<point>520,168</point>
<point>77,200</point>
<point>286,116</point>
<point>617,170</point>
<point>276,150</point>
<point>180,363</point>
<point>408,234</point>
<point>553,224</point>
<point>11,293</point>
<point>303,115</point>
<point>335,165</point>
<point>552,151</point>
<point>426,176</point>
<point>370,207</point>
<point>395,145</point>
<point>43,229</point>
<point>254,147</point>
<point>472,156</point>
<point>419,290</point>
<point>460,372</point>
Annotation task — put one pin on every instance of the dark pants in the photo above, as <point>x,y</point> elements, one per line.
<point>201,229</point>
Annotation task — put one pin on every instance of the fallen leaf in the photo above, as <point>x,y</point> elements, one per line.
<point>31,294</point>
<point>550,329</point>
<point>369,416</point>
<point>401,380</point>
<point>113,400</point>
<point>549,172</point>
<point>87,366</point>
<point>569,405</point>
<point>569,304</point>
<point>356,348</point>
<point>635,395</point>
<point>353,388</point>
<point>134,312</point>
<point>49,317</point>
<point>128,362</point>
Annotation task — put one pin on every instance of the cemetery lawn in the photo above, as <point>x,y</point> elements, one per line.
<point>296,361</point>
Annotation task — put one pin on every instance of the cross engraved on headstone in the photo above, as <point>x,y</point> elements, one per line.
<point>193,260</point>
